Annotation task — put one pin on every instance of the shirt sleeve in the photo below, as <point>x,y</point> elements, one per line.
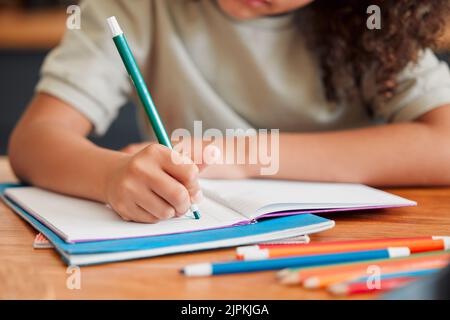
<point>86,71</point>
<point>422,87</point>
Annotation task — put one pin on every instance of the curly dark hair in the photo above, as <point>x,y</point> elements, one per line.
<point>348,50</point>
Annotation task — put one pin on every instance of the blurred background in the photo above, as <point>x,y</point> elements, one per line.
<point>28,30</point>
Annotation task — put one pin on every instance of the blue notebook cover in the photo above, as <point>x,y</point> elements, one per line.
<point>110,246</point>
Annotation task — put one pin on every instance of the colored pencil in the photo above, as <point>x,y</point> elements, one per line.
<point>243,249</point>
<point>443,255</point>
<point>404,274</point>
<point>361,287</point>
<point>416,246</point>
<point>317,282</point>
<point>207,269</point>
<point>298,275</point>
<point>144,94</point>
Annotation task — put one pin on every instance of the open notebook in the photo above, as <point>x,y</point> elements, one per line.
<point>227,203</point>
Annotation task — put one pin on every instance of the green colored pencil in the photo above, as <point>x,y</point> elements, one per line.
<point>141,88</point>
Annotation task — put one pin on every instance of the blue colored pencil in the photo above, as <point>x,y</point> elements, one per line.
<point>208,269</point>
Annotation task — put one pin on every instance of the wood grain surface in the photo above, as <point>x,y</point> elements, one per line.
<point>26,273</point>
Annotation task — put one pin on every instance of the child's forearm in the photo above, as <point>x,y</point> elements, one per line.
<point>56,156</point>
<point>416,153</point>
<point>49,148</point>
<point>60,161</point>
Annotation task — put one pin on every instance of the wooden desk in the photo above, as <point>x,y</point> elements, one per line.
<point>26,273</point>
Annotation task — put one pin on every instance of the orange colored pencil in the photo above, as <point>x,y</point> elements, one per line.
<point>415,246</point>
<point>316,282</point>
<point>243,249</point>
<point>303,273</point>
<point>361,287</point>
<point>294,276</point>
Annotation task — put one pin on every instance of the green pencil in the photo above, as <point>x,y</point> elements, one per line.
<point>141,88</point>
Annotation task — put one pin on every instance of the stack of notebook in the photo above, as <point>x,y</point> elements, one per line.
<point>233,213</point>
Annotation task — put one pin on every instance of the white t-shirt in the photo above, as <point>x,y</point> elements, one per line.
<point>201,64</point>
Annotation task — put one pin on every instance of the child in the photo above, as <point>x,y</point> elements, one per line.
<point>352,104</point>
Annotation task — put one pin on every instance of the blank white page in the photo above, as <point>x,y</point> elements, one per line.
<point>77,220</point>
<point>254,198</point>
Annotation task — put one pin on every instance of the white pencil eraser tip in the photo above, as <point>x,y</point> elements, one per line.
<point>397,252</point>
<point>198,270</point>
<point>446,241</point>
<point>311,283</point>
<point>114,26</point>
<point>243,250</point>
<point>256,255</point>
<point>338,289</point>
<point>307,238</point>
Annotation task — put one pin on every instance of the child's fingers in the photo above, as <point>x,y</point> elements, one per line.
<point>148,167</point>
<point>138,214</point>
<point>179,183</point>
<point>132,212</point>
<point>188,177</point>
<point>172,191</point>
<point>186,172</point>
<point>135,147</point>
<point>156,206</point>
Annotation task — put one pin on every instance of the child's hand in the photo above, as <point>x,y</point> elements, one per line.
<point>219,169</point>
<point>153,184</point>
<point>135,147</point>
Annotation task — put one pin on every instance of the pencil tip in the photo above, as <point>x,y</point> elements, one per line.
<point>290,279</point>
<point>311,283</point>
<point>338,289</point>
<point>283,273</point>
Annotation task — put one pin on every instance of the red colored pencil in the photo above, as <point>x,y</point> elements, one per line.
<point>346,289</point>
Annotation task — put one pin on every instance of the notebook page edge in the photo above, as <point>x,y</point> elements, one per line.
<point>11,193</point>
<point>89,259</point>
